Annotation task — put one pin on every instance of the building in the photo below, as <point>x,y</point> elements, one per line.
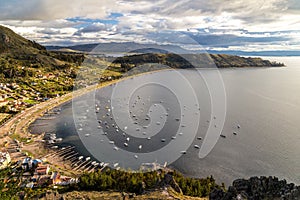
<point>27,164</point>
<point>55,177</point>
<point>42,170</point>
<point>4,159</point>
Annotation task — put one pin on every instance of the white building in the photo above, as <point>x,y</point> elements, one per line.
<point>4,159</point>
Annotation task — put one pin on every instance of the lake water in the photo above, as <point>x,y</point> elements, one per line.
<point>265,102</point>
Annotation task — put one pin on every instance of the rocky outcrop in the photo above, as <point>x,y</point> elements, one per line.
<point>169,181</point>
<point>257,188</point>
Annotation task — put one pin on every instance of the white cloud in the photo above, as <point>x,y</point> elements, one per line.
<point>47,20</point>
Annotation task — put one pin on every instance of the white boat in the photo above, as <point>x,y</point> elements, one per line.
<point>199,138</point>
<point>116,148</point>
<point>136,156</point>
<point>87,158</point>
<point>183,152</point>
<point>163,140</point>
<point>80,157</point>
<point>111,142</point>
<point>196,146</point>
<point>140,147</point>
<point>173,137</point>
<point>127,139</point>
<point>126,144</point>
<point>116,164</point>
<point>238,126</point>
<point>87,135</point>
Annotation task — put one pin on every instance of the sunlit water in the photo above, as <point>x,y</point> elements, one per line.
<point>265,102</point>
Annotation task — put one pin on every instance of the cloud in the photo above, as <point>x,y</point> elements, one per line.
<point>95,27</point>
<point>213,23</point>
<point>53,9</point>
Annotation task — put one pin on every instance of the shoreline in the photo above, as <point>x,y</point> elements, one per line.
<point>17,127</point>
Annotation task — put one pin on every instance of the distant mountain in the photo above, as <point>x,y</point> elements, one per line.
<point>132,47</point>
<point>257,53</point>
<point>122,47</point>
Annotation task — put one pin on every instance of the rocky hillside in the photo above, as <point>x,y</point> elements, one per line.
<point>256,188</point>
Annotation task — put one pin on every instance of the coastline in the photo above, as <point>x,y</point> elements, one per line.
<point>17,127</point>
<point>20,123</point>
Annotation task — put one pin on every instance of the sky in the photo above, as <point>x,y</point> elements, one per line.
<point>247,25</point>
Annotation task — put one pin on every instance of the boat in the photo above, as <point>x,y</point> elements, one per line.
<point>87,158</point>
<point>199,138</point>
<point>183,152</point>
<point>111,142</point>
<point>238,126</point>
<point>126,144</point>
<point>116,148</point>
<point>163,140</point>
<point>197,146</point>
<point>116,164</point>
<point>80,157</point>
<point>173,137</point>
<point>136,156</point>
<point>140,147</point>
<point>234,133</point>
<point>223,136</point>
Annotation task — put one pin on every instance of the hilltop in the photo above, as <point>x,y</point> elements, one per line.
<point>17,50</point>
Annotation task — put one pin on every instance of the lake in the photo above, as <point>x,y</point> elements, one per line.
<point>166,115</point>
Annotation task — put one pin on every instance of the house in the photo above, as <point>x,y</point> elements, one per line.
<point>27,164</point>
<point>36,162</point>
<point>4,159</point>
<point>42,170</point>
<point>55,177</point>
